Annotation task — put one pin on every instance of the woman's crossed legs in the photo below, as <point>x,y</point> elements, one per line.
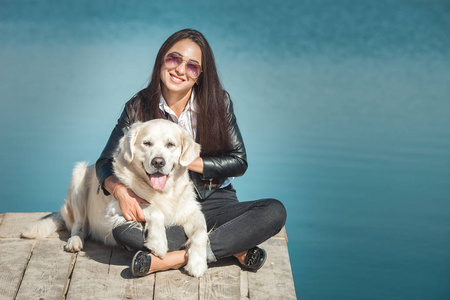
<point>234,227</point>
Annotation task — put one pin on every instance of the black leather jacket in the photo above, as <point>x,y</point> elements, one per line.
<point>215,169</point>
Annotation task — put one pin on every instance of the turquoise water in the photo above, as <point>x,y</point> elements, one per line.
<point>344,107</point>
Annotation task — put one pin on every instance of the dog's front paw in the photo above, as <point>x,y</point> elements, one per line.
<point>158,248</point>
<point>196,265</point>
<point>74,244</point>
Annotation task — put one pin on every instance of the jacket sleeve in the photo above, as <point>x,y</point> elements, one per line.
<point>103,165</point>
<point>234,162</point>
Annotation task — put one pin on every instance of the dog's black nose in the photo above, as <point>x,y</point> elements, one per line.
<point>158,162</point>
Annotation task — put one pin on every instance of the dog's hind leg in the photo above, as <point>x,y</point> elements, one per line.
<point>79,225</point>
<point>76,241</point>
<point>74,210</point>
<point>197,235</point>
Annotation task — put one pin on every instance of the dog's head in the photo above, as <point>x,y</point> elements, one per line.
<point>158,149</point>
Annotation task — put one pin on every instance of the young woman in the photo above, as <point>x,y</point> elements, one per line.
<point>185,88</point>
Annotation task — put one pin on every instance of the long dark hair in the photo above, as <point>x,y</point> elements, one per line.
<point>210,97</point>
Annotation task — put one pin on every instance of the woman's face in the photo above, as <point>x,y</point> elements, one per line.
<point>177,79</point>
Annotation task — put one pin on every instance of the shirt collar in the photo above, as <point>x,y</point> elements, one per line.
<point>191,105</point>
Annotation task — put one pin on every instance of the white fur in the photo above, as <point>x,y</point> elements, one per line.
<point>89,212</point>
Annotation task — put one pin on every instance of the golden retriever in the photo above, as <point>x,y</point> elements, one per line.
<point>152,161</point>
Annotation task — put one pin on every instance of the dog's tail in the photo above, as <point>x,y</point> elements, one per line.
<point>72,209</point>
<point>44,227</point>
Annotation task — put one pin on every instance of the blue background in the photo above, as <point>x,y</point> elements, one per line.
<point>343,105</point>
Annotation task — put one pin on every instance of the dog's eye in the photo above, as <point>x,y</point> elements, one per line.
<point>148,144</point>
<point>170,145</point>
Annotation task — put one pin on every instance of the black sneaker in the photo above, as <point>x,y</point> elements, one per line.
<point>140,265</point>
<point>255,259</point>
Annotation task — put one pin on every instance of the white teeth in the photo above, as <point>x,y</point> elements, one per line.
<point>178,80</point>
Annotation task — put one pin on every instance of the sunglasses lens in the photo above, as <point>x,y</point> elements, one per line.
<point>193,70</point>
<point>173,60</point>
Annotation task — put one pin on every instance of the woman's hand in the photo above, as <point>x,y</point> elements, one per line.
<point>129,202</point>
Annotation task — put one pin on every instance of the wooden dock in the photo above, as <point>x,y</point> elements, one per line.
<point>41,269</point>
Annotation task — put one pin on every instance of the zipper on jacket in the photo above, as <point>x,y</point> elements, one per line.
<point>210,183</point>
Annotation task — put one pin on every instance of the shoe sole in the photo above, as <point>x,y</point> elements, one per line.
<point>138,254</point>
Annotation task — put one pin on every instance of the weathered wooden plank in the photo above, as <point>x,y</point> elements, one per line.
<point>89,273</point>
<point>281,235</point>
<point>221,281</point>
<point>14,256</point>
<point>274,280</point>
<point>47,272</point>
<point>175,284</point>
<point>244,285</point>
<point>14,223</point>
<point>102,272</point>
<point>121,283</point>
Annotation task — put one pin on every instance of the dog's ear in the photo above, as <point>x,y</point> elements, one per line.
<point>128,142</point>
<point>190,149</point>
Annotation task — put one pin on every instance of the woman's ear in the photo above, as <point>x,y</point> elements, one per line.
<point>190,149</point>
<point>128,142</point>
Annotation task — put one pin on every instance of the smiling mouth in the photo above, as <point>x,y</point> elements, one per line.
<point>158,180</point>
<point>176,79</point>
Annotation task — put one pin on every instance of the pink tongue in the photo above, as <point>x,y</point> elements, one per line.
<point>158,181</point>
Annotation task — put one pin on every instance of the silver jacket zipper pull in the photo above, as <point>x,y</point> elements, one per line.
<point>210,183</point>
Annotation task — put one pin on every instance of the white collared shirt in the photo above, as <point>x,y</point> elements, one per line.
<point>187,119</point>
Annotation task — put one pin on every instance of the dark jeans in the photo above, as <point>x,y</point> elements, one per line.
<point>233,226</point>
